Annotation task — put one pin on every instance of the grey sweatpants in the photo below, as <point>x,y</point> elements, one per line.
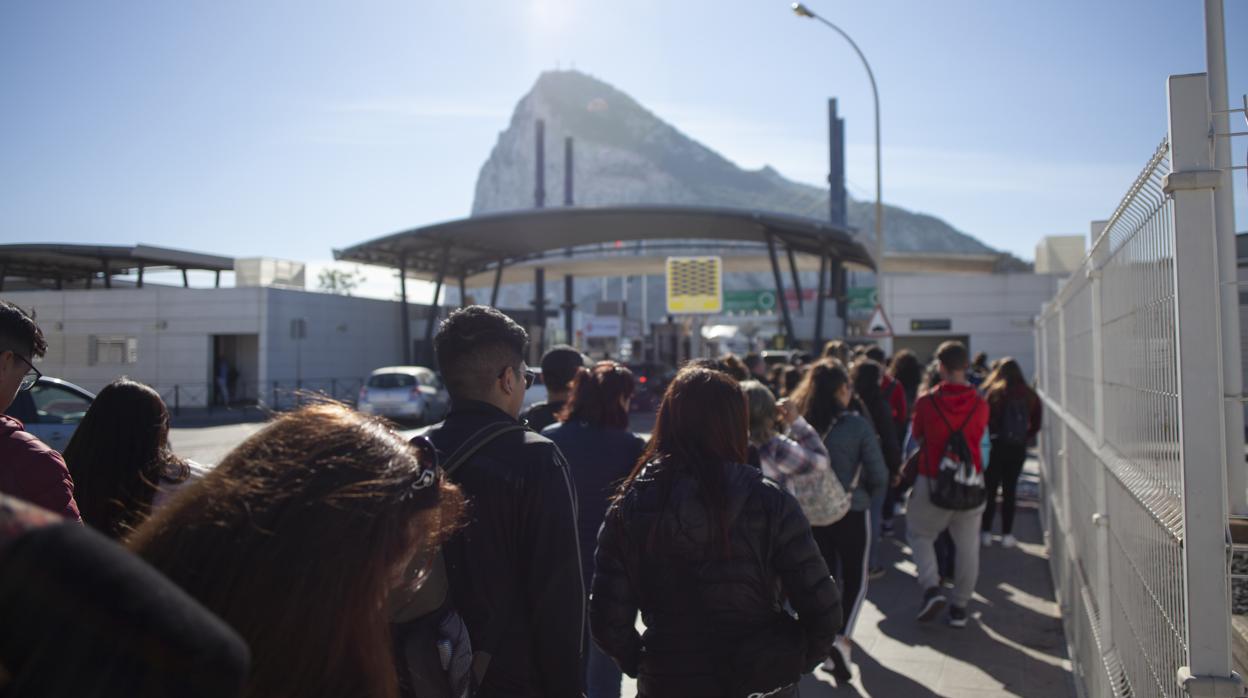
<point>924,522</point>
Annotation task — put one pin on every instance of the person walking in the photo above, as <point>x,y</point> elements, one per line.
<point>1013,421</point>
<point>298,538</point>
<point>823,399</point>
<point>120,458</point>
<point>708,550</point>
<point>560,365</point>
<point>953,406</point>
<point>788,447</point>
<point>866,375</point>
<point>29,469</point>
<point>514,569</point>
<point>593,435</point>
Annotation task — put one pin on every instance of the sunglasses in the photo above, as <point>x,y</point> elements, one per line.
<point>529,377</point>
<point>32,375</point>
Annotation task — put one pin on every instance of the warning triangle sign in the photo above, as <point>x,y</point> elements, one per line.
<point>879,326</point>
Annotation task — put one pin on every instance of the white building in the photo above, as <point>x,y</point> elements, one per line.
<point>1060,254</point>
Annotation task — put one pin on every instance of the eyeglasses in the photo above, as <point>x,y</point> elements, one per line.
<point>529,376</point>
<point>32,376</point>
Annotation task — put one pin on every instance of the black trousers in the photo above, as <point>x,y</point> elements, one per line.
<point>844,546</point>
<point>1005,464</point>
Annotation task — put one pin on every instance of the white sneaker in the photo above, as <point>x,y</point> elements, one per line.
<point>985,539</point>
<point>1008,541</point>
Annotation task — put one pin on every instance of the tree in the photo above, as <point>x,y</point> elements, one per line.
<point>340,282</point>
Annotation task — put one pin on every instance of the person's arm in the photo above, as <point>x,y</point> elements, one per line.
<point>897,403</point>
<point>1037,417</point>
<point>49,483</point>
<point>804,576</point>
<point>555,590</point>
<point>875,474</point>
<point>613,602</point>
<point>802,452</point>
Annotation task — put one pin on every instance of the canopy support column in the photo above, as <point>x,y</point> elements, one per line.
<point>498,279</point>
<point>820,300</point>
<point>775,272</point>
<point>186,281</point>
<point>217,283</point>
<point>140,284</point>
<point>539,306</point>
<point>463,289</point>
<point>405,324</point>
<point>433,306</point>
<point>568,304</point>
<point>797,283</point>
<point>108,274</point>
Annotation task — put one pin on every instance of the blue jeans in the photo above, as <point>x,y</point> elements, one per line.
<point>602,676</point>
<point>877,515</point>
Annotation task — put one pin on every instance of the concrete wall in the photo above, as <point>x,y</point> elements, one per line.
<point>995,311</point>
<point>345,338</point>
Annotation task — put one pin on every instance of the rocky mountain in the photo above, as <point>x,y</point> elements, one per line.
<point>627,155</point>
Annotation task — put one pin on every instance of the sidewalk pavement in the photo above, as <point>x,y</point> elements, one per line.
<point>1013,645</point>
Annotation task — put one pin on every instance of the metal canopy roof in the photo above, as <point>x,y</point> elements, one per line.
<point>72,262</point>
<point>471,246</point>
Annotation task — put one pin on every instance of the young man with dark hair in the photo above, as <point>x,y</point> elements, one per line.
<point>954,405</point>
<point>559,366</point>
<point>514,570</point>
<point>29,468</point>
<point>757,367</point>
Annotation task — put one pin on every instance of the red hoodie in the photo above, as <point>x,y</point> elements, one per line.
<point>896,397</point>
<point>960,404</point>
<point>32,471</point>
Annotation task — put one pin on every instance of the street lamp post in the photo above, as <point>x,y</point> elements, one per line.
<point>802,11</point>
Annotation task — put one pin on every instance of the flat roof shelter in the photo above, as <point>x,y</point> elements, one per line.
<point>59,264</point>
<point>592,241</point>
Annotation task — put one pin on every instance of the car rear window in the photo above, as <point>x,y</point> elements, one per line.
<point>391,380</point>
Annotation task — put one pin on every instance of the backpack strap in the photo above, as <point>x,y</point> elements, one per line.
<point>478,441</point>
<point>936,405</point>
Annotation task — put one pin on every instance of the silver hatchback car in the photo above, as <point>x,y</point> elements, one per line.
<point>409,394</point>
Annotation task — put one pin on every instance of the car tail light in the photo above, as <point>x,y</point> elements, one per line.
<point>641,379</point>
<point>363,395</point>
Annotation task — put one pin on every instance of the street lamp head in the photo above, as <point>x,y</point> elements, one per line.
<point>801,10</point>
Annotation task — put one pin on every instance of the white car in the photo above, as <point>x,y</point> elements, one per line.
<point>51,410</point>
<point>405,394</point>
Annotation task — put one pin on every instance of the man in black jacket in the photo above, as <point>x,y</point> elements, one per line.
<point>514,569</point>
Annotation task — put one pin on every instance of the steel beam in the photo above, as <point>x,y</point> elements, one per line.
<point>784,306</point>
<point>820,300</point>
<point>405,330</point>
<point>797,284</point>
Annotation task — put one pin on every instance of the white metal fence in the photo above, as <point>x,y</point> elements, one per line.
<point>1133,455</point>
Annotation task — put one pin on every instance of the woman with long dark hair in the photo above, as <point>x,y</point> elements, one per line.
<point>708,551</point>
<point>1014,416</point>
<point>905,368</point>
<point>593,436</point>
<point>854,450</point>
<point>866,375</point>
<point>298,538</point>
<point>120,458</point>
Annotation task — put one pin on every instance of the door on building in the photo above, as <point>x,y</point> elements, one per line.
<point>924,345</point>
<point>235,369</point>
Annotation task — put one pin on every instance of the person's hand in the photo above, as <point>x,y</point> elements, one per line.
<point>896,481</point>
<point>785,413</point>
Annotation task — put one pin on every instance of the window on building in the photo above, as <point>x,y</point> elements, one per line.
<point>114,351</point>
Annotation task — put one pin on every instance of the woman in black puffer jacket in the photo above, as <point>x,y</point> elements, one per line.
<point>708,552</point>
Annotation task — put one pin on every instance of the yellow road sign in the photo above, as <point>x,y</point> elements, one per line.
<point>695,285</point>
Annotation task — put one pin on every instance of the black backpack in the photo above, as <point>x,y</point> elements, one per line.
<point>958,485</point>
<point>1014,422</point>
<point>431,643</point>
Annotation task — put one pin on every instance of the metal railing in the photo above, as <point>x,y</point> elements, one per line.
<point>266,396</point>
<point>1133,457</point>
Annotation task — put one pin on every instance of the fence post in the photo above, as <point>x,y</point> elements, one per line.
<point>1202,443</point>
<point>1104,589</point>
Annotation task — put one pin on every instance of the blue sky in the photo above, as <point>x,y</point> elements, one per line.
<point>286,128</point>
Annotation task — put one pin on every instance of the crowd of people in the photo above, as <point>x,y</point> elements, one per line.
<point>503,552</point>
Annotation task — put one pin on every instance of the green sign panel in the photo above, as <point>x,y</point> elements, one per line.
<point>862,298</point>
<point>751,301</point>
